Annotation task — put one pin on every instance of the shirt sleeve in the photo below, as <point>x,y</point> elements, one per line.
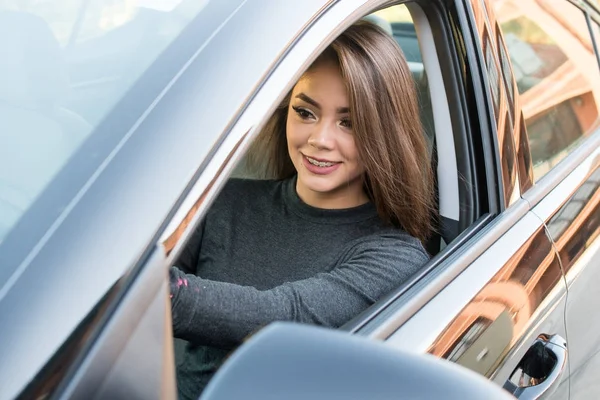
<point>222,314</point>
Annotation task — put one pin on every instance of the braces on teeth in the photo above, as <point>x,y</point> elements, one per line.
<point>319,163</point>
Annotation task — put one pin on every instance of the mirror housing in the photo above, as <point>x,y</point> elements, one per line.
<point>301,362</point>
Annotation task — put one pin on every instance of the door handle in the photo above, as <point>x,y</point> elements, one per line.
<point>538,374</point>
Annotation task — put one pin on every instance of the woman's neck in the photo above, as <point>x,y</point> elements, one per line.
<point>334,200</point>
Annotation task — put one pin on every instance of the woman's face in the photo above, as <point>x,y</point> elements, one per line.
<point>321,142</point>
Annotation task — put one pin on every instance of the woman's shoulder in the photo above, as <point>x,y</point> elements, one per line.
<point>391,243</point>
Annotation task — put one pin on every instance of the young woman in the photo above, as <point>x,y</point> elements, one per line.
<point>339,226</point>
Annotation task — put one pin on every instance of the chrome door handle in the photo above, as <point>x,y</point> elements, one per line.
<point>538,373</point>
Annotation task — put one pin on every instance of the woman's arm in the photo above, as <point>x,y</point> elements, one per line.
<point>223,314</point>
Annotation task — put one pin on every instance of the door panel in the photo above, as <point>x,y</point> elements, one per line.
<point>132,356</point>
<point>572,215</point>
<point>490,315</point>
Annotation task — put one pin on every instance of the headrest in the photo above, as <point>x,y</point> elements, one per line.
<point>32,69</point>
<point>380,22</point>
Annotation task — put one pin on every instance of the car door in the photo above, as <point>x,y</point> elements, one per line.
<point>496,299</point>
<point>571,212</point>
<point>558,85</point>
<point>566,194</point>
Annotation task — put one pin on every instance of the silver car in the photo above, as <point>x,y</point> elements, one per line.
<point>120,120</point>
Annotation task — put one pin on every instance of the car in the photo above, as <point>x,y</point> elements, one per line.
<point>120,121</point>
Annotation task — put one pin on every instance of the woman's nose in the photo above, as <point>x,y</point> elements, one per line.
<point>322,136</point>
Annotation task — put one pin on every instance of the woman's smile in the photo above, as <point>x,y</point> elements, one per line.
<point>319,166</point>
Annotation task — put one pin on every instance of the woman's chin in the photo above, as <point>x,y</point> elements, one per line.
<point>317,183</point>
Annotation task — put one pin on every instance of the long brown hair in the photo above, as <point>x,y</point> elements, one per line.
<point>384,112</point>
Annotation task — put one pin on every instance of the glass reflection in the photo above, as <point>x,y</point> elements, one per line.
<point>496,319</point>
<point>501,88</point>
<point>577,224</point>
<point>576,232</point>
<point>550,51</point>
<point>523,155</point>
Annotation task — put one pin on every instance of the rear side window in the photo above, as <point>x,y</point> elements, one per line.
<point>551,53</point>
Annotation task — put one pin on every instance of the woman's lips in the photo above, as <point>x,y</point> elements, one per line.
<point>315,169</point>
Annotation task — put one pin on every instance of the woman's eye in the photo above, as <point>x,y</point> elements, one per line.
<point>303,112</point>
<point>346,123</point>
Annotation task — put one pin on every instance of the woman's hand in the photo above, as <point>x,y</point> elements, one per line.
<point>183,293</point>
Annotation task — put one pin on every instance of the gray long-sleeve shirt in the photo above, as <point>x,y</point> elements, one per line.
<point>263,255</point>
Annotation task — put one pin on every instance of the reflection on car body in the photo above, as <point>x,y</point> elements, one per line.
<point>504,309</point>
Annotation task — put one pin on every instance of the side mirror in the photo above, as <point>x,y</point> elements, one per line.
<point>300,362</point>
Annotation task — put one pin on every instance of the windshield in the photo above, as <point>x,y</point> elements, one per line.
<point>64,66</point>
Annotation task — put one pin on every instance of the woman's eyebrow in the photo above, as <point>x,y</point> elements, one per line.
<point>308,100</point>
<point>305,98</point>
